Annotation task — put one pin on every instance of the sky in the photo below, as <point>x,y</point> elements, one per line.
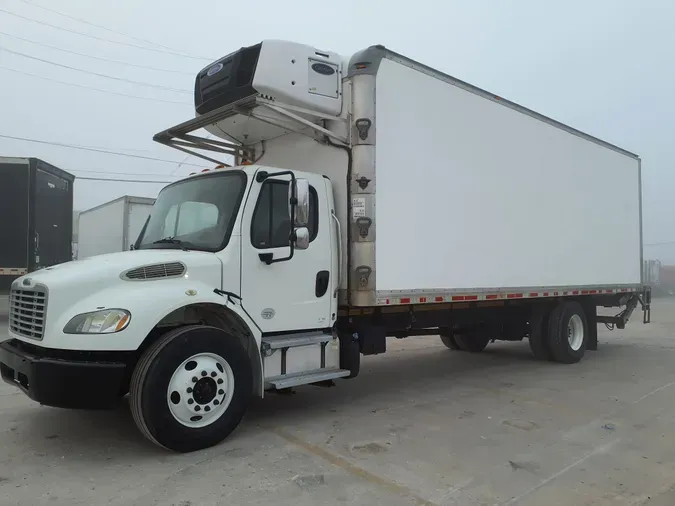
<point>601,66</point>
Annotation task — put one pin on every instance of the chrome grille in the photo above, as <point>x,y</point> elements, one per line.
<point>27,310</point>
<point>167,270</point>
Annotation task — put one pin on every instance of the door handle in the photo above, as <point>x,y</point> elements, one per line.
<point>321,286</point>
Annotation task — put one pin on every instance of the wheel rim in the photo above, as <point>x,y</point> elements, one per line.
<point>575,332</point>
<point>200,390</point>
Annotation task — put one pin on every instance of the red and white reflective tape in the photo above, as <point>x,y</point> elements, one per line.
<point>436,299</point>
<point>12,271</point>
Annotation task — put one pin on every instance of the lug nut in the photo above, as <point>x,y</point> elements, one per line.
<point>220,381</point>
<point>189,390</point>
<point>207,408</point>
<point>203,373</point>
<point>191,401</point>
<point>221,392</point>
<point>194,379</point>
<point>197,408</point>
<point>216,402</point>
<point>214,374</point>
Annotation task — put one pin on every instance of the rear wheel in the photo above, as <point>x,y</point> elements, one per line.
<point>567,332</point>
<point>449,341</point>
<point>191,388</point>
<point>473,342</point>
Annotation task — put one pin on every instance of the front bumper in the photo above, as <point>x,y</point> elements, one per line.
<point>62,379</point>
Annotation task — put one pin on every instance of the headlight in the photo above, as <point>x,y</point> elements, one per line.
<point>106,321</point>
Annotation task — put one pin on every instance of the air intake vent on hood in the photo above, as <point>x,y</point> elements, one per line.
<point>156,271</point>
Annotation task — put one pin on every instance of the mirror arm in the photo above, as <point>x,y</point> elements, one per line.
<point>269,259</point>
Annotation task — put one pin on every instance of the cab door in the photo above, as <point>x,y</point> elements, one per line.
<point>291,294</point>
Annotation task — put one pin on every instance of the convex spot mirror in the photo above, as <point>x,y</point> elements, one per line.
<point>301,238</point>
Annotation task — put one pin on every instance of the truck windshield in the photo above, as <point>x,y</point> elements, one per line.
<point>197,213</point>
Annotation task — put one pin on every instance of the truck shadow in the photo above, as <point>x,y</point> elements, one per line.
<point>112,435</point>
<point>385,379</point>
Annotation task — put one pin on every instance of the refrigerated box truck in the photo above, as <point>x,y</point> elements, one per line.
<point>36,205</point>
<point>112,227</point>
<point>371,196</point>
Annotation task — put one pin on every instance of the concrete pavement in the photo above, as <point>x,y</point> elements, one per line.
<point>420,425</point>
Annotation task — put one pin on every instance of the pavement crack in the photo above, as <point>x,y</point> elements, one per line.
<point>596,451</point>
<point>353,469</point>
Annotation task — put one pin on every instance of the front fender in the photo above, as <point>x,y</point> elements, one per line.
<point>148,302</point>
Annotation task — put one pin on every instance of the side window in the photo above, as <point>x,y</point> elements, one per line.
<point>271,225</point>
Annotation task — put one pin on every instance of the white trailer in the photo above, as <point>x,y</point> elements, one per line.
<point>651,272</point>
<point>112,227</point>
<point>371,197</point>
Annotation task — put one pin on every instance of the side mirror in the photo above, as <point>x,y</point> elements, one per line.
<point>301,238</point>
<point>301,191</point>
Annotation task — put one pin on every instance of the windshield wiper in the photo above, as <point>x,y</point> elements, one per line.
<point>172,240</point>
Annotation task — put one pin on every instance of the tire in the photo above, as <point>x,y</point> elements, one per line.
<point>539,334</point>
<point>169,364</point>
<point>567,332</point>
<point>473,342</point>
<point>449,341</point>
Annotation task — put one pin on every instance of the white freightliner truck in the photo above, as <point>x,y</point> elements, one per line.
<point>371,196</point>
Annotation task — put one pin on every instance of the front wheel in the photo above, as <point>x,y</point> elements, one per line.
<point>191,388</point>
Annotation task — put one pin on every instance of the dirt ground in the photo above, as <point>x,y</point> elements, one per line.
<point>420,425</point>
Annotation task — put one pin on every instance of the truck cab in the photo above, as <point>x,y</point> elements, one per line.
<point>246,251</point>
<point>232,286</point>
<point>272,232</point>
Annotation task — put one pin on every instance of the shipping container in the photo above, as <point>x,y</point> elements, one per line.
<point>36,204</point>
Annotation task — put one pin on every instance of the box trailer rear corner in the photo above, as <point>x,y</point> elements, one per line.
<point>39,199</point>
<point>112,226</point>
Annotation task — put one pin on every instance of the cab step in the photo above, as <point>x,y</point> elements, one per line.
<point>305,378</point>
<point>294,340</point>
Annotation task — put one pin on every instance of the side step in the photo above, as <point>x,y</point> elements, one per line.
<point>305,378</point>
<point>293,340</point>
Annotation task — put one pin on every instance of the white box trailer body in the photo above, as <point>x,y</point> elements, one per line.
<point>113,226</point>
<point>501,199</point>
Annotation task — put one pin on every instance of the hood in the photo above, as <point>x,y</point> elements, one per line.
<point>131,280</point>
<point>109,267</point>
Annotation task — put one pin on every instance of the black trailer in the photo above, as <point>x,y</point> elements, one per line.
<point>36,217</point>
